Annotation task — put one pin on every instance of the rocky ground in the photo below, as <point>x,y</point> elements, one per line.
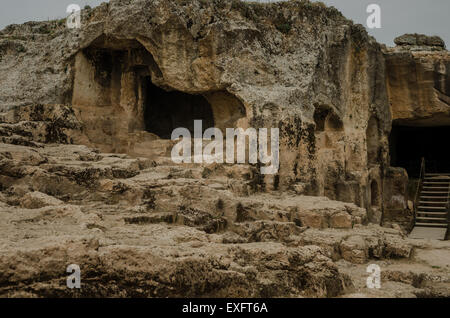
<point>150,228</point>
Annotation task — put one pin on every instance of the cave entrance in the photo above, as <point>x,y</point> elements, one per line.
<point>409,144</point>
<point>124,100</point>
<point>164,111</point>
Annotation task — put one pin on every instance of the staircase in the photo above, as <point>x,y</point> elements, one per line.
<point>431,219</point>
<point>432,207</point>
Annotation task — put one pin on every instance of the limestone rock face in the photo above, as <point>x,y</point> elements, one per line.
<point>419,40</point>
<point>418,78</point>
<point>195,230</point>
<point>395,202</point>
<point>297,66</point>
<point>24,125</point>
<point>86,175</point>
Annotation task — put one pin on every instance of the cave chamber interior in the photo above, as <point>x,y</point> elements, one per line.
<point>409,144</point>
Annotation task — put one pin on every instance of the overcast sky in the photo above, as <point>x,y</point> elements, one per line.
<point>397,16</point>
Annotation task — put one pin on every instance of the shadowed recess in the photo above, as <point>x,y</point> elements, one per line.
<point>409,144</point>
<point>166,111</point>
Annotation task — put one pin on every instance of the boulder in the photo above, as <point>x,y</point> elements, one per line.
<point>419,40</point>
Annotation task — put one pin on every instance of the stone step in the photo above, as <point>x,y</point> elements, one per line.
<point>431,213</point>
<point>436,179</point>
<point>444,220</point>
<point>441,225</point>
<point>435,197</point>
<point>433,202</point>
<point>436,182</point>
<point>432,208</point>
<point>435,188</point>
<point>428,233</point>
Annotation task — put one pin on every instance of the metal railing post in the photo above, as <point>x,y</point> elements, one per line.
<point>419,186</point>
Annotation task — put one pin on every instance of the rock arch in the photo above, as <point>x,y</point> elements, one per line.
<point>123,98</point>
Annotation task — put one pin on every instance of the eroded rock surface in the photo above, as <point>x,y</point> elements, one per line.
<point>297,66</point>
<point>422,99</point>
<point>143,227</point>
<point>86,176</point>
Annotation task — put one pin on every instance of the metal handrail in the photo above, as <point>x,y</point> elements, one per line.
<point>448,206</point>
<point>419,186</point>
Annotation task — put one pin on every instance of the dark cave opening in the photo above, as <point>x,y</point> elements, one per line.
<point>373,141</point>
<point>164,111</point>
<point>374,193</point>
<point>409,144</point>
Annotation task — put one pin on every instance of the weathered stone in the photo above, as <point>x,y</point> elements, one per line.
<point>140,225</point>
<point>36,200</point>
<point>420,40</point>
<point>422,100</point>
<point>276,79</point>
<point>396,247</point>
<point>341,221</point>
<point>354,249</point>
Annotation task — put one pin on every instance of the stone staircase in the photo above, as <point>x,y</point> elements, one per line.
<point>432,210</point>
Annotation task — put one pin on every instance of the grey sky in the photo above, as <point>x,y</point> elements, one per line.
<point>20,11</point>
<point>398,16</point>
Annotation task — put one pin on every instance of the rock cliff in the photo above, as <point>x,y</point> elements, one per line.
<point>418,78</point>
<point>297,66</point>
<point>86,176</point>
